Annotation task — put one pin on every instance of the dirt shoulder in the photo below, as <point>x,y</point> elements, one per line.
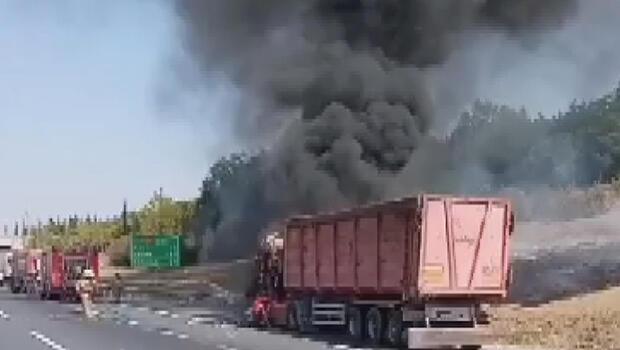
<point>587,322</point>
<point>566,285</point>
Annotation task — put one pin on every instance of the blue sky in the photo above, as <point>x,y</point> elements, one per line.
<point>83,83</point>
<point>79,125</point>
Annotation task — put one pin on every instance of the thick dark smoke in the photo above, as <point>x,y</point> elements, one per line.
<point>346,87</point>
<point>306,54</point>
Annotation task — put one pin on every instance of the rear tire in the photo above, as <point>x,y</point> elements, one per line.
<point>394,329</point>
<point>304,320</point>
<point>355,323</point>
<point>291,317</point>
<point>375,326</point>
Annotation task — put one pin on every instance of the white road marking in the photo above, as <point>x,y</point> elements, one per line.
<point>204,319</point>
<point>47,341</point>
<point>163,312</point>
<point>174,316</point>
<point>166,332</point>
<point>182,336</point>
<point>132,322</point>
<point>225,347</point>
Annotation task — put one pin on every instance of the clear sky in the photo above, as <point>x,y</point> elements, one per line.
<point>79,127</point>
<point>84,83</point>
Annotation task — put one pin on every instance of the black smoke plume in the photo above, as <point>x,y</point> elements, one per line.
<point>339,92</point>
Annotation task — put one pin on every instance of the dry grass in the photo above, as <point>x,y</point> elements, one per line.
<point>586,322</point>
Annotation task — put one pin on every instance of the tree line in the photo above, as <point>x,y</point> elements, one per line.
<point>160,215</point>
<point>492,147</point>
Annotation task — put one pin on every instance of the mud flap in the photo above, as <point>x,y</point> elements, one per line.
<point>420,338</point>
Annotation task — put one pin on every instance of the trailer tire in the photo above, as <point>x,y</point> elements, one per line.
<point>45,293</point>
<point>304,321</point>
<point>355,323</point>
<point>375,326</point>
<point>291,318</point>
<point>394,329</point>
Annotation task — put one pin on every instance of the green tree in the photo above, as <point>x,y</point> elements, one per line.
<point>165,215</point>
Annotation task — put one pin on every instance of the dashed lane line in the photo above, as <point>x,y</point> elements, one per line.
<point>46,340</point>
<point>4,315</point>
<point>225,347</point>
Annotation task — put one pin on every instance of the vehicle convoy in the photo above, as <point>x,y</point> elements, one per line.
<point>50,273</point>
<point>418,271</point>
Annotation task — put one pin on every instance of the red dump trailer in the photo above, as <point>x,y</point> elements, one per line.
<point>419,271</point>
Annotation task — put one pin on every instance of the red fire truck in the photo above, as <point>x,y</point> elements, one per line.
<point>61,270</point>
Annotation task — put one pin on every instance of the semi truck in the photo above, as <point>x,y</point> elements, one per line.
<point>417,272</point>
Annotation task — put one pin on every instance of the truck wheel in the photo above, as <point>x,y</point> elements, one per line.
<point>375,326</point>
<point>45,294</point>
<point>355,323</point>
<point>291,317</point>
<point>394,331</point>
<point>304,322</point>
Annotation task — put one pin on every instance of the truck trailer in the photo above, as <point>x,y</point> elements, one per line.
<point>419,271</point>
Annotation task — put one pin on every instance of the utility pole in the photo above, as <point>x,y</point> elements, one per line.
<point>125,229</point>
<point>161,191</point>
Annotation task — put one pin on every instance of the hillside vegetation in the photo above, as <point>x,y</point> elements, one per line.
<point>554,168</point>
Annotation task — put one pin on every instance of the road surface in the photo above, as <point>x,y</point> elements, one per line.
<point>37,325</point>
<point>31,324</point>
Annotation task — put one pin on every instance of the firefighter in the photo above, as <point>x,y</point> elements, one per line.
<point>117,288</point>
<point>85,287</point>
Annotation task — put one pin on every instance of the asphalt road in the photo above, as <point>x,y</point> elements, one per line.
<point>31,324</point>
<point>37,325</point>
